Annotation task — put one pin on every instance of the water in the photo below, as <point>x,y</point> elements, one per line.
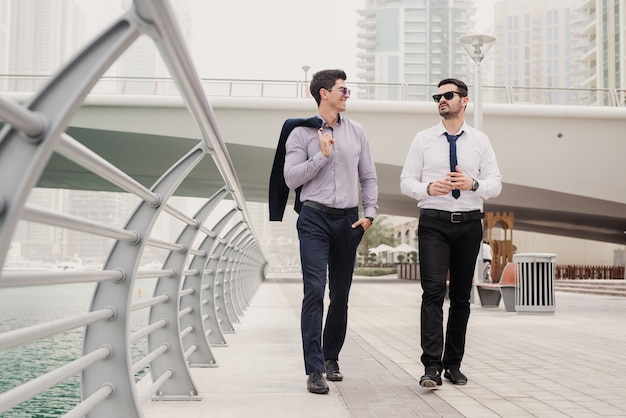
<point>21,307</point>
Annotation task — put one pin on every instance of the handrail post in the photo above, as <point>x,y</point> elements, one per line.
<point>180,385</point>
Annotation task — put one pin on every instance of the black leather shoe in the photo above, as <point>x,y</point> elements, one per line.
<point>316,383</point>
<point>454,375</point>
<point>431,379</point>
<point>332,371</point>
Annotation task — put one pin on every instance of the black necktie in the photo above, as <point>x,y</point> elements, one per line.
<point>453,160</point>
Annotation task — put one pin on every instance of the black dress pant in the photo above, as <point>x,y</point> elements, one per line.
<point>445,246</point>
<point>327,243</point>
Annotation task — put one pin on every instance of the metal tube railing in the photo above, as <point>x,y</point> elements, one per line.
<point>26,335</point>
<point>189,329</point>
<point>186,292</point>
<point>183,312</point>
<point>146,360</point>
<point>183,71</point>
<point>105,391</point>
<point>23,279</point>
<point>147,330</point>
<point>181,216</point>
<point>148,274</point>
<point>176,336</point>
<point>31,123</point>
<point>34,387</point>
<point>158,243</point>
<point>156,385</point>
<point>190,351</point>
<point>83,156</point>
<point>78,224</point>
<point>149,302</point>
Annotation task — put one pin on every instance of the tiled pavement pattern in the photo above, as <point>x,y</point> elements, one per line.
<point>568,364</point>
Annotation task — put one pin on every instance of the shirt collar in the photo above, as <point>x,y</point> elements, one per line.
<point>325,125</point>
<point>441,130</point>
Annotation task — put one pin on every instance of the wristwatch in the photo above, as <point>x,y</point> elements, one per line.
<point>475,185</point>
<point>370,218</point>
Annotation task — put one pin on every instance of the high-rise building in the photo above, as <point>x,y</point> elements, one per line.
<point>538,45</point>
<point>279,240</point>
<point>143,61</point>
<point>40,242</point>
<point>604,54</point>
<point>36,39</point>
<point>4,42</point>
<point>412,42</point>
<point>35,241</point>
<point>106,208</point>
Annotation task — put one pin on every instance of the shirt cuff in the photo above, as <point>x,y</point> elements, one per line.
<point>371,212</point>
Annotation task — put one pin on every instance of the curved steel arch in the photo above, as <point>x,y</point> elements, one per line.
<point>28,140</point>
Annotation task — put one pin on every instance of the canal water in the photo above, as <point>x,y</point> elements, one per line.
<point>21,307</point>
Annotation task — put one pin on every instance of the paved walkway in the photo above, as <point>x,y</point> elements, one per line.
<point>568,364</point>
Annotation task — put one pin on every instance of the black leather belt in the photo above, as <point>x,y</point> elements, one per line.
<point>454,217</point>
<point>330,211</point>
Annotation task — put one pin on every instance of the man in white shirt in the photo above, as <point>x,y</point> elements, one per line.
<point>487,257</point>
<point>449,169</point>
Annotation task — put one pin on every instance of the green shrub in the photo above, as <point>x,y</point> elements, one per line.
<point>375,271</point>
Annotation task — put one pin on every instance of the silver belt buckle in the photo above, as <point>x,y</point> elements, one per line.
<point>460,217</point>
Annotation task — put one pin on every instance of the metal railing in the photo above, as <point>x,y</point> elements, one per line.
<point>572,96</point>
<point>209,275</point>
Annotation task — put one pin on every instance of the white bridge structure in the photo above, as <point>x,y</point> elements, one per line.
<point>562,166</point>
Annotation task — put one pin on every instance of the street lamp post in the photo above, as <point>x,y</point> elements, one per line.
<point>306,69</point>
<point>477,46</point>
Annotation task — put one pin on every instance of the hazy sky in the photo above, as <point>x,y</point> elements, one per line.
<point>275,38</point>
<point>271,39</point>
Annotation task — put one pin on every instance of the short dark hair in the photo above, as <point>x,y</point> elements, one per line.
<point>325,79</point>
<point>458,83</point>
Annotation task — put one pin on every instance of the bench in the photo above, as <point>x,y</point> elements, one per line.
<point>490,294</point>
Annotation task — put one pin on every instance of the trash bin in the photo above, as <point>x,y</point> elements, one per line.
<point>534,282</point>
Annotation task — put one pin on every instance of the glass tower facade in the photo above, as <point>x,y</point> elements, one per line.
<point>604,56</point>
<point>412,42</point>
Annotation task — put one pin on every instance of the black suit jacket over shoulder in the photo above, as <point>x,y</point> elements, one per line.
<point>278,190</point>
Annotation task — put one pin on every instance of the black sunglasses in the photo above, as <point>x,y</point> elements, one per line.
<point>448,96</point>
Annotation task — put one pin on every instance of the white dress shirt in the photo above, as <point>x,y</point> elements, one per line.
<point>428,160</point>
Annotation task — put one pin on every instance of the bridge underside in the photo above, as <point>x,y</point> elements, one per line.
<point>536,210</point>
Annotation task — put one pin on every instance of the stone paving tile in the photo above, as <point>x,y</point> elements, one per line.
<point>378,385</point>
<point>518,365</point>
<point>567,364</point>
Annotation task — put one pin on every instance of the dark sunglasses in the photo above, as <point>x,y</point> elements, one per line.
<point>448,96</point>
<point>344,90</point>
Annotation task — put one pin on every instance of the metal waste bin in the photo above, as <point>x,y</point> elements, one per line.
<point>534,282</point>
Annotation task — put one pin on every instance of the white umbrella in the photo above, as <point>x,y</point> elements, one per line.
<point>382,248</point>
<point>404,248</point>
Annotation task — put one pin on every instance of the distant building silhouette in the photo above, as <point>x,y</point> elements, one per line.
<point>538,45</point>
<point>410,41</point>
